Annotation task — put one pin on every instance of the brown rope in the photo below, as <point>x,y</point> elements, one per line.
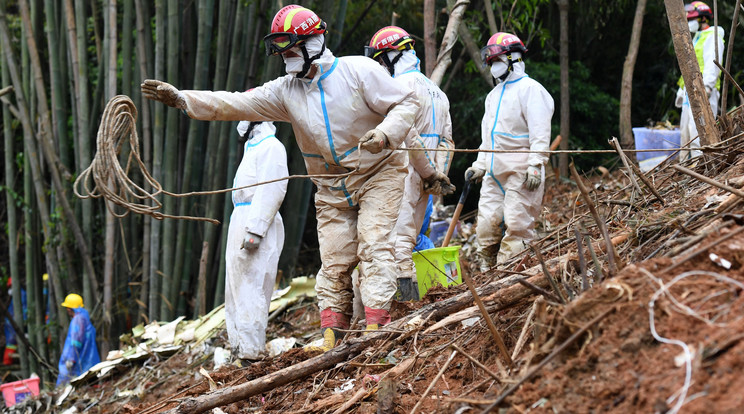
<point>111,181</point>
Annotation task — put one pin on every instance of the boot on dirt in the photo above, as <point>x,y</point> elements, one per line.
<point>330,339</point>
<point>376,318</point>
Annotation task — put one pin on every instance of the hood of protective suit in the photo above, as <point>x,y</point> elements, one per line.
<point>407,62</point>
<point>516,73</point>
<point>313,45</point>
<point>263,129</point>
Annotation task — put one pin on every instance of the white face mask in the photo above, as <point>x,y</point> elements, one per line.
<point>498,68</point>
<point>293,65</point>
<point>693,25</point>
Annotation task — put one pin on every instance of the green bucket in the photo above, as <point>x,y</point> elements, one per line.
<point>437,266</point>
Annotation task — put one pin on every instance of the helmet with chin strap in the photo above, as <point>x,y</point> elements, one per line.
<point>499,44</point>
<point>388,39</point>
<point>291,27</point>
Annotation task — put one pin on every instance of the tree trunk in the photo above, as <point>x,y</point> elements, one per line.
<point>491,20</point>
<point>444,59</point>
<point>82,99</point>
<point>217,143</point>
<point>565,99</point>
<point>729,51</point>
<point>157,159</point>
<point>142,58</point>
<point>430,37</point>
<point>196,130</point>
<point>474,52</point>
<point>626,88</point>
<point>108,275</point>
<point>701,111</point>
<point>12,220</point>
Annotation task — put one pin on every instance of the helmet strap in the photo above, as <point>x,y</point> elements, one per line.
<point>510,69</point>
<point>390,64</point>
<point>309,60</point>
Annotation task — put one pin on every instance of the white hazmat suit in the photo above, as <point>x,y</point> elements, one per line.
<point>517,116</point>
<point>356,212</point>
<point>251,273</point>
<point>434,130</point>
<point>704,43</point>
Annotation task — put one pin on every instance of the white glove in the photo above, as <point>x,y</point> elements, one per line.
<point>680,99</point>
<point>534,178</point>
<point>251,241</point>
<point>438,184</point>
<point>163,92</point>
<point>69,364</point>
<point>474,174</point>
<point>373,141</point>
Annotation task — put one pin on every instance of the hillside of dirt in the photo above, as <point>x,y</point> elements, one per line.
<point>655,325</point>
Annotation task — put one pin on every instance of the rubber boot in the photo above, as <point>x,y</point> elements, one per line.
<point>376,318</point>
<point>330,339</point>
<point>487,257</point>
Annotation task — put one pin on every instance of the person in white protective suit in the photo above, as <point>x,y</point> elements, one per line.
<point>348,122</point>
<point>255,238</point>
<point>704,36</point>
<point>392,47</point>
<point>517,117</point>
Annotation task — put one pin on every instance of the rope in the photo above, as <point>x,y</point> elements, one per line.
<point>111,181</point>
<point>681,394</point>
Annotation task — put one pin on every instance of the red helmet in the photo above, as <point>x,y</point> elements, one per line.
<point>292,25</point>
<point>386,39</point>
<point>499,44</point>
<point>698,9</point>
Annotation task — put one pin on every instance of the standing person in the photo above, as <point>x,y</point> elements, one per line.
<point>80,351</point>
<point>11,340</point>
<point>392,47</point>
<point>255,238</point>
<point>347,124</point>
<point>517,117</point>
<point>699,17</point>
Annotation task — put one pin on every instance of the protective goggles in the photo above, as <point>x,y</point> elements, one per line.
<point>277,43</point>
<point>371,52</point>
<point>490,52</point>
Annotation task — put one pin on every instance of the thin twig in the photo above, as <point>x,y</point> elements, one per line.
<point>582,260</point>
<point>551,297</point>
<point>496,336</point>
<point>707,180</point>
<point>476,362</point>
<point>434,381</point>
<point>611,253</point>
<point>561,298</point>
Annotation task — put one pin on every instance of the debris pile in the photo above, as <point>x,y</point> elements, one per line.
<point>631,302</point>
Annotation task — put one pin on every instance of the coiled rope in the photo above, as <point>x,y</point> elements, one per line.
<point>112,182</point>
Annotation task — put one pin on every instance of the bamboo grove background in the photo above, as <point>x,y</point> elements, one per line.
<point>66,58</point>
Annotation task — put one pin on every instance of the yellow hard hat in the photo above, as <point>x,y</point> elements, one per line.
<point>73,301</point>
<point>45,276</point>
